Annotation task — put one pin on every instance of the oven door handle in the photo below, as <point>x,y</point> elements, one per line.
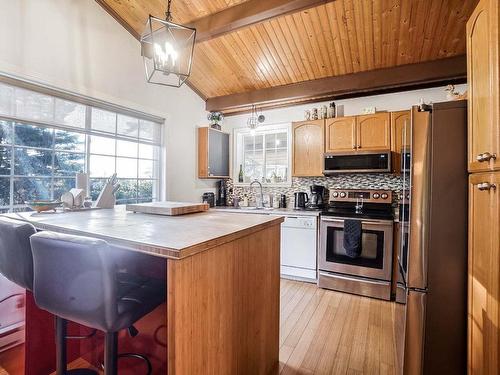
<point>363,221</point>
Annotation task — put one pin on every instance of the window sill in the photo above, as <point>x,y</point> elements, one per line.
<point>265,185</point>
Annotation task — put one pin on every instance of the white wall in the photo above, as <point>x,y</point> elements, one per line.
<point>75,45</point>
<point>386,102</point>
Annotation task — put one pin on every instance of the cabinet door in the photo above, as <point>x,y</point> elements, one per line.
<point>308,148</point>
<point>484,274</point>
<point>373,132</point>
<point>218,153</point>
<point>400,136</point>
<point>484,86</point>
<point>340,134</point>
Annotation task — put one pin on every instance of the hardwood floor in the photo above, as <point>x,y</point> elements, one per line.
<point>326,332</point>
<point>321,332</point>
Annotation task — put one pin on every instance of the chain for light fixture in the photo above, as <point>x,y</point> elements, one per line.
<point>168,13</point>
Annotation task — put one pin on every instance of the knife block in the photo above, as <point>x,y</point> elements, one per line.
<point>106,197</point>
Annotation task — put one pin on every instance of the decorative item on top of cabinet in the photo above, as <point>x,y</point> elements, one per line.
<point>308,148</point>
<point>400,137</point>
<point>373,132</point>
<point>483,61</point>
<point>484,274</point>
<point>213,153</point>
<point>340,134</point>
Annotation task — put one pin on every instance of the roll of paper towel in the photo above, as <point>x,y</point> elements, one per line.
<point>82,181</point>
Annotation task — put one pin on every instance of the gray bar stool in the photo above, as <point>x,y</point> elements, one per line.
<point>80,279</point>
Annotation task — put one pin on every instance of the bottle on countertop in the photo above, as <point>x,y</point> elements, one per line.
<point>240,175</point>
<point>283,201</point>
<point>245,201</point>
<point>276,201</point>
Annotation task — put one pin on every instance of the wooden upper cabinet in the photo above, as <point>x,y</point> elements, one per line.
<point>213,153</point>
<point>484,87</point>
<point>400,136</point>
<point>340,134</point>
<point>373,132</point>
<point>308,148</point>
<point>484,274</point>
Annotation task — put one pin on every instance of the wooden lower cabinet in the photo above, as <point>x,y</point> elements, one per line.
<point>308,148</point>
<point>484,274</point>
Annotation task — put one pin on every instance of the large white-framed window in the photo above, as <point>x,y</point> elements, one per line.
<point>45,140</point>
<point>263,154</point>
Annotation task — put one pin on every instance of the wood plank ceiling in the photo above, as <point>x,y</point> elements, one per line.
<point>333,39</point>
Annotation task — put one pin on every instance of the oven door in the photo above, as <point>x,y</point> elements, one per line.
<point>375,260</point>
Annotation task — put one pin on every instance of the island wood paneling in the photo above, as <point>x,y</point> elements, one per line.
<point>225,320</point>
<point>333,39</point>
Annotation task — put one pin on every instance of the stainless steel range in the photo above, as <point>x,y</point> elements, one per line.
<point>356,237</point>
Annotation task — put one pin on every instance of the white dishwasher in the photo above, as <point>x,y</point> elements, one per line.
<point>299,235</point>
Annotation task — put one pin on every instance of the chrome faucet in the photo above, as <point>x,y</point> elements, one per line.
<point>261,194</point>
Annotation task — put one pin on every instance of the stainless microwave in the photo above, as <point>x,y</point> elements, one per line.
<point>357,162</point>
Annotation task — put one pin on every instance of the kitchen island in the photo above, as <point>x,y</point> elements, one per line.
<point>222,275</point>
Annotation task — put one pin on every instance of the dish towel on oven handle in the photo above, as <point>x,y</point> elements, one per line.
<point>352,237</point>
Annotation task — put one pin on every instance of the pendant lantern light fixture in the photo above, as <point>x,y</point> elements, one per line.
<point>167,49</point>
<point>255,119</point>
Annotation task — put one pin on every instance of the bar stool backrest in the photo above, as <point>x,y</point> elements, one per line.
<point>16,260</point>
<point>75,278</point>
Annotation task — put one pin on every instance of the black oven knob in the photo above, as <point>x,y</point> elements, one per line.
<point>376,195</point>
<point>335,194</point>
<point>343,195</point>
<point>384,196</point>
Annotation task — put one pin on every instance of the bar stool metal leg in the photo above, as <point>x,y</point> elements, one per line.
<point>61,351</point>
<point>111,354</point>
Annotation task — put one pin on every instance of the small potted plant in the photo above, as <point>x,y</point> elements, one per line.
<point>215,118</point>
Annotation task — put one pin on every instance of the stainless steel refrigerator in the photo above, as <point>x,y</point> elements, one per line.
<point>432,284</point>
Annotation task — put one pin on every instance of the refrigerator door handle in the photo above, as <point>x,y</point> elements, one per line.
<point>415,333</point>
<point>420,195</point>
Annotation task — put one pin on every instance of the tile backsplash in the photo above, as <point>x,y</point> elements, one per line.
<point>381,181</point>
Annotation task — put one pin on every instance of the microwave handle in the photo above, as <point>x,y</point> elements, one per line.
<point>376,222</point>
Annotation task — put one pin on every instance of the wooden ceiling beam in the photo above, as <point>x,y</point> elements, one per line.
<point>399,78</point>
<point>246,14</point>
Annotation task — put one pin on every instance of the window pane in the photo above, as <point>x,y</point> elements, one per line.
<point>149,130</point>
<point>147,169</point>
<point>124,148</point>
<point>146,189</point>
<point>63,185</point>
<point>127,190</point>
<point>69,141</point>
<point>253,166</point>
<point>31,188</point>
<point>102,166</point>
<point>5,132</point>
<point>96,185</point>
<point>270,141</point>
<point>128,126</point>
<point>4,191</point>
<point>68,164</point>
<point>32,105</point>
<point>102,145</point>
<point>33,136</point>
<point>30,162</point>
<point>5,160</point>
<point>103,120</point>
<point>6,97</point>
<point>281,140</point>
<point>148,151</point>
<point>126,168</point>
<point>70,113</point>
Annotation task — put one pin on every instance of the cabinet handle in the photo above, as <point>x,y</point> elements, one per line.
<point>359,146</point>
<point>486,156</point>
<point>484,186</point>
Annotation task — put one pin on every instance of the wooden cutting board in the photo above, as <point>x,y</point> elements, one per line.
<point>168,208</point>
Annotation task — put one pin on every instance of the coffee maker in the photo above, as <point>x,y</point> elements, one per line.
<point>319,197</point>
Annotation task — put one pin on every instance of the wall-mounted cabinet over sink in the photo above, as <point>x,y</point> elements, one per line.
<point>213,153</point>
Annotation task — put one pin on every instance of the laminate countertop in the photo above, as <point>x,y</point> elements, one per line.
<point>173,237</point>
<point>268,211</point>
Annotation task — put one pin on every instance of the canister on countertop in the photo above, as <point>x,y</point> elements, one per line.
<point>283,201</point>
